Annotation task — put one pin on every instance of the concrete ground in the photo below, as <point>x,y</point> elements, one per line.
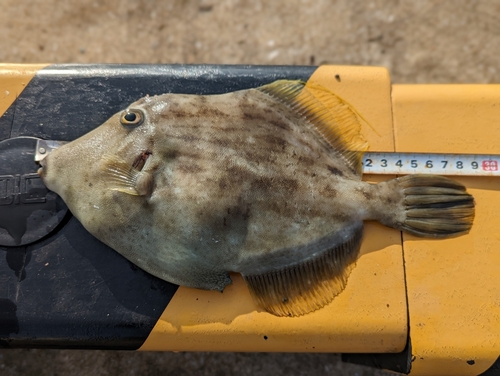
<point>449,41</point>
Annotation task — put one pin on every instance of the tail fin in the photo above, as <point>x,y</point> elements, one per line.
<point>435,206</point>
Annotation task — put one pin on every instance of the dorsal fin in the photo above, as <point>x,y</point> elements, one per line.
<point>335,119</point>
<point>308,286</point>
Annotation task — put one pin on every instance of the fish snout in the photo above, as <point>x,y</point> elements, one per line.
<point>42,170</point>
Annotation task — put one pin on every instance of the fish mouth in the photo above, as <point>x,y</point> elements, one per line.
<point>42,170</point>
<point>42,151</point>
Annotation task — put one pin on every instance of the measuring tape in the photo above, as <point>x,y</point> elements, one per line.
<point>436,164</point>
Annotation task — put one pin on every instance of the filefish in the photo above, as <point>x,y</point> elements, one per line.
<point>265,182</point>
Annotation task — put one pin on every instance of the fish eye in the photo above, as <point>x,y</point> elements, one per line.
<point>132,118</point>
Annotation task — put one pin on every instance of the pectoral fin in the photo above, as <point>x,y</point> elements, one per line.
<point>123,177</point>
<point>306,287</point>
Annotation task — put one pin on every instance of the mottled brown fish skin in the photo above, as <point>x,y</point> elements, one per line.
<point>241,183</point>
<point>265,182</point>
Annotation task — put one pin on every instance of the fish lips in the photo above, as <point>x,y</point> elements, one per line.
<point>42,170</point>
<point>43,173</point>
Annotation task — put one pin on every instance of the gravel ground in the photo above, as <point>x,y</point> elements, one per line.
<point>450,41</point>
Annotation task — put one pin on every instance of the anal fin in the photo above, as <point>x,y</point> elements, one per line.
<point>308,286</point>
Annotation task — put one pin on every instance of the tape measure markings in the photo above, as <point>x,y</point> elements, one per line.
<point>438,164</point>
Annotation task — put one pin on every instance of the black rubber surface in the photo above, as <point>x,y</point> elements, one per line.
<point>494,370</point>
